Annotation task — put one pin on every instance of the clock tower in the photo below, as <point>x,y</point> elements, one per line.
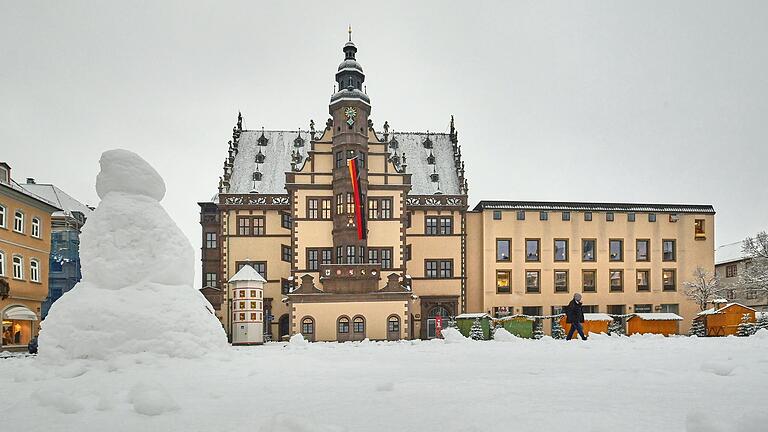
<point>349,109</point>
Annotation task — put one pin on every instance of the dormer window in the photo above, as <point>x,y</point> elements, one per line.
<point>435,177</point>
<point>394,144</point>
<point>259,157</point>
<point>4,175</point>
<point>299,141</point>
<point>431,158</point>
<point>262,139</point>
<point>256,176</point>
<point>427,143</point>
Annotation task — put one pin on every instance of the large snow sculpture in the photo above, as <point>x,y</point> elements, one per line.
<point>137,293</point>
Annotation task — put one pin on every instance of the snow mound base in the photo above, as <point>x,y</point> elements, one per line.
<point>298,341</point>
<point>151,400</point>
<point>503,335</point>
<point>137,294</point>
<point>451,335</point>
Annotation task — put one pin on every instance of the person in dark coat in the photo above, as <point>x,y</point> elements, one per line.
<point>574,315</point>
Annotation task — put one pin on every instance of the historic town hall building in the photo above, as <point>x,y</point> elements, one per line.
<point>384,247</point>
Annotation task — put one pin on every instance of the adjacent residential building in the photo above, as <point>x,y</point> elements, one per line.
<point>730,262</point>
<point>25,246</point>
<point>366,233</point>
<point>64,261</point>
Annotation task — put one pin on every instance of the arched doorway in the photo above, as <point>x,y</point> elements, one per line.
<point>283,328</point>
<point>435,314</point>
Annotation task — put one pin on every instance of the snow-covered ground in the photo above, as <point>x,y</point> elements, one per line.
<point>639,383</point>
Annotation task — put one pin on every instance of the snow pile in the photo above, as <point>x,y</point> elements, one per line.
<point>298,341</point>
<point>151,399</point>
<point>502,335</point>
<point>137,293</point>
<point>452,335</point>
<point>761,334</point>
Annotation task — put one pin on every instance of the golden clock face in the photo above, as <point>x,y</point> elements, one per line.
<point>351,113</point>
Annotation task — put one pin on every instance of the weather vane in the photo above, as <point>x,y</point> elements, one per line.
<point>350,33</point>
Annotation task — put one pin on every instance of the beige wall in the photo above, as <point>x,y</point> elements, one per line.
<point>375,314</point>
<point>483,232</point>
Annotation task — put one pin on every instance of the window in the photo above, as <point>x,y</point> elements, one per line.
<point>285,286</point>
<point>339,204</point>
<point>561,281</point>
<point>325,208</point>
<point>286,253</point>
<point>243,226</point>
<point>497,215</point>
<point>312,259</point>
<point>373,208</point>
<point>438,225</point>
<point>643,308</point>
<point>393,324</point>
<point>386,258</point>
<point>730,270</point>
<point>339,254</point>
<point>651,217</point>
<point>339,159</point>
<point>502,281</point>
<point>312,208</point>
<point>616,248</point>
<point>386,208</point>
<point>438,269</point>
<point>617,280</point>
<point>630,217</point>
<point>250,226</point>
<point>350,254</point>
<point>2,216</point>
<point>379,208</point>
<point>307,326</point>
<point>259,266</point>
<point>326,256</point>
<point>730,294</point>
<point>561,250</point>
<point>286,221</point>
<point>407,252</point>
<point>590,309</point>
<point>670,308</point>
<point>532,310</point>
<point>566,216</point>
<point>18,267</point>
<point>502,250</point>
<point>343,325</point>
<point>643,278</point>
<point>520,215</point>
<point>2,263</point>
<point>34,270</point>
<point>588,281</point>
<point>532,281</point>
<point>668,280</point>
<point>210,240</point>
<point>668,250</point>
<point>642,248</point>
<point>698,225</point>
<point>373,256</point>
<point>609,217</point>
<point>350,203</point>
<point>36,227</point>
<point>532,249</point>
<point>18,222</point>
<point>588,250</point>
<point>543,215</point>
<point>211,279</point>
<point>446,226</point>
<point>358,325</point>
<point>408,219</point>
<point>587,216</point>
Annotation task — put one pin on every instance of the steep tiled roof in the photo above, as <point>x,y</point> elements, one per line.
<point>442,149</point>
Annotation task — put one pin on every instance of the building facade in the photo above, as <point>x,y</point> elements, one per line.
<point>289,205</point>
<point>730,262</point>
<point>25,246</point>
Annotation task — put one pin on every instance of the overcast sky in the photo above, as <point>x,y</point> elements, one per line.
<point>619,101</point>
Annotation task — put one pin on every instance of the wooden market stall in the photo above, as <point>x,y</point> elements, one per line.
<point>518,325</point>
<point>593,323</point>
<point>655,323</point>
<point>465,321</point>
<point>724,321</point>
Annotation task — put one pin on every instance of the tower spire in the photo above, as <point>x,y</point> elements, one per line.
<point>350,32</point>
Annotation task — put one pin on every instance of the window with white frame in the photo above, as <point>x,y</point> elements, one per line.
<point>2,263</point>
<point>18,221</point>
<point>34,270</point>
<point>2,216</point>
<point>18,267</point>
<point>36,227</point>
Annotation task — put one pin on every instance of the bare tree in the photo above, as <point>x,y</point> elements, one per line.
<point>754,279</point>
<point>703,288</point>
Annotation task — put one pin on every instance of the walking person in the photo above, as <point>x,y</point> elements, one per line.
<point>574,315</point>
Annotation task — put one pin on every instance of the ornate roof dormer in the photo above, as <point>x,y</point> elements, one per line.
<point>262,139</point>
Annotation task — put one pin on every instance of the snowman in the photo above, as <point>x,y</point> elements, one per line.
<point>137,294</point>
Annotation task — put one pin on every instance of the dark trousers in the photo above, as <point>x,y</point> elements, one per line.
<point>576,327</point>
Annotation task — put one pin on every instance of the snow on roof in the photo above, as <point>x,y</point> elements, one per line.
<point>57,196</point>
<point>661,316</point>
<point>590,206</point>
<point>277,161</point>
<point>14,185</point>
<point>280,145</point>
<point>472,315</point>
<point>729,253</point>
<point>412,144</point>
<point>247,273</point>
<point>712,310</point>
<point>597,317</point>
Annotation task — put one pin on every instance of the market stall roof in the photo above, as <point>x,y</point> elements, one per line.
<point>472,316</point>
<point>20,313</point>
<point>661,316</point>
<point>597,317</point>
<point>712,311</point>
